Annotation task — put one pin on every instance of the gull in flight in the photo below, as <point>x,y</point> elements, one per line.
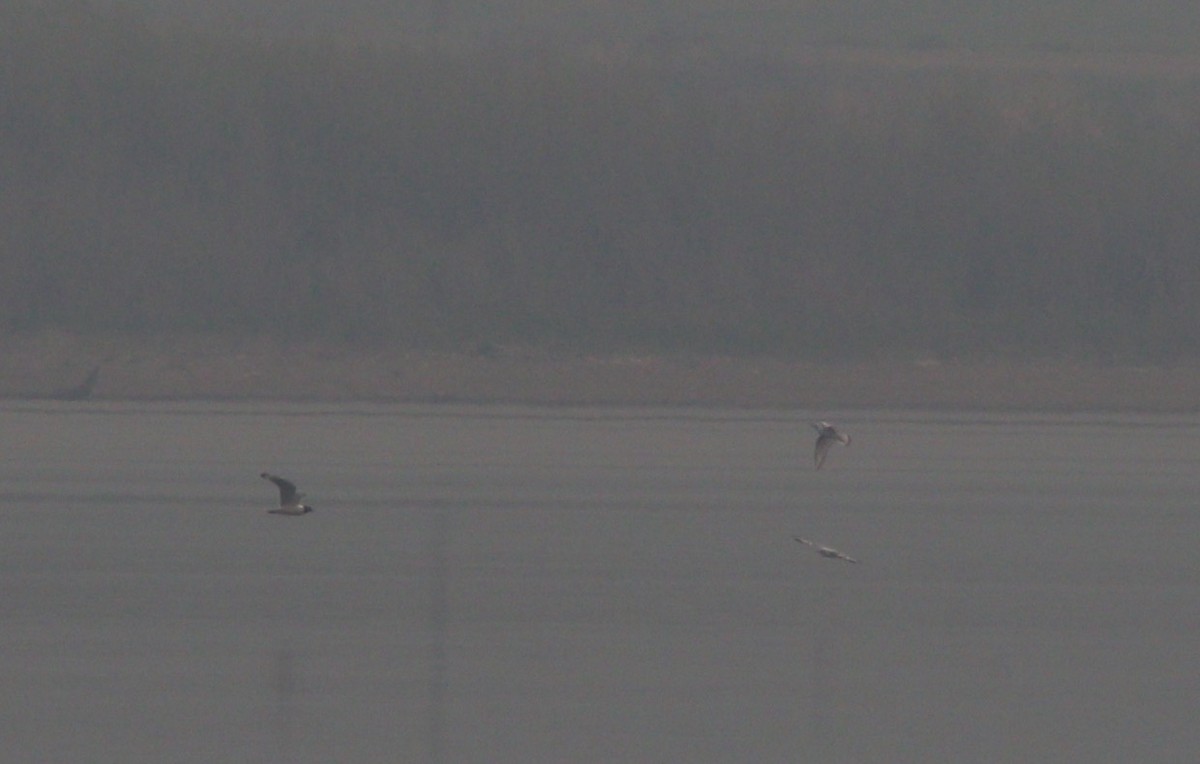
<point>827,435</point>
<point>825,551</point>
<point>289,497</point>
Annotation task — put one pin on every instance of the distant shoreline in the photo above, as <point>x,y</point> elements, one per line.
<point>173,369</point>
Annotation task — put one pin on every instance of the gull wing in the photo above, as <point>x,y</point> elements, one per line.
<point>825,551</point>
<point>287,489</point>
<point>836,555</point>
<point>827,435</point>
<point>825,442</point>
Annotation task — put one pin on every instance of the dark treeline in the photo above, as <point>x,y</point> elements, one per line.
<point>159,180</point>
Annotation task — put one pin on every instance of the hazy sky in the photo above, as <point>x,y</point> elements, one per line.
<point>1105,25</point>
<point>662,174</point>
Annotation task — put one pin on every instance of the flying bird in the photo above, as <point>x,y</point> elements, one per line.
<point>827,435</point>
<point>825,551</point>
<point>289,497</point>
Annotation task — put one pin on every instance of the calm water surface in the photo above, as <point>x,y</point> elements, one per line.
<point>520,585</point>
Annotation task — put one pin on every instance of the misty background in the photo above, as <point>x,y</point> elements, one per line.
<point>866,180</point>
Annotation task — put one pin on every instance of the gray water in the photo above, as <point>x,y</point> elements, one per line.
<point>530,585</point>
